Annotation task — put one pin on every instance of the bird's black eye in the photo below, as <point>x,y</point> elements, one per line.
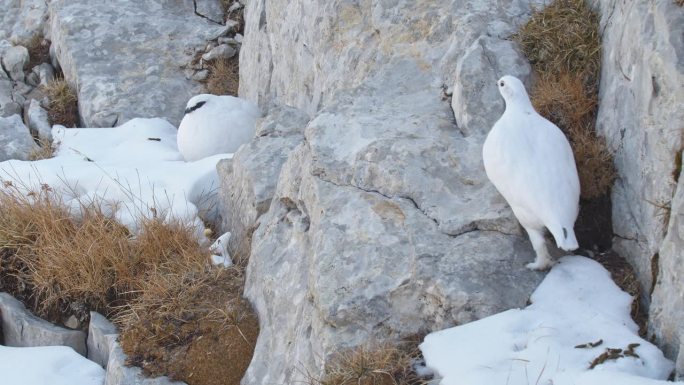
<point>193,108</point>
<point>501,83</point>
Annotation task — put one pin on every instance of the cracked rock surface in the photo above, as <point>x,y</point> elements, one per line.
<point>96,45</point>
<point>382,224</point>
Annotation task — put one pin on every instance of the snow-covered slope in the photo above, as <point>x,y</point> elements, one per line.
<point>576,304</point>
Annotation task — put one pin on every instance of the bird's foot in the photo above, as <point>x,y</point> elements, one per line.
<point>540,265</point>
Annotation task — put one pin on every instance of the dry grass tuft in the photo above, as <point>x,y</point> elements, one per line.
<point>382,364</point>
<point>173,308</point>
<point>563,44</point>
<point>63,103</point>
<point>39,51</point>
<point>564,37</point>
<point>564,100</point>
<point>46,150</point>
<point>224,77</point>
<point>203,331</point>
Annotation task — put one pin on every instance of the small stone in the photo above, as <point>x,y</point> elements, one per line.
<point>32,79</point>
<point>38,123</point>
<point>227,40</point>
<point>200,75</point>
<point>231,24</point>
<point>46,73</point>
<point>235,6</point>
<point>13,60</point>
<point>223,51</point>
<point>72,322</point>
<point>239,38</point>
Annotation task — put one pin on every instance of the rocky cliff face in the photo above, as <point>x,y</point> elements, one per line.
<point>382,223</point>
<point>642,117</point>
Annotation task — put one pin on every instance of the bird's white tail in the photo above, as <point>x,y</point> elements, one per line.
<point>565,237</point>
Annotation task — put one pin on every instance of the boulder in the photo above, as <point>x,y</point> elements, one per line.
<point>38,123</point>
<point>667,306</point>
<point>248,180</point>
<point>101,335</point>
<point>383,224</point>
<point>136,68</point>
<point>8,106</point>
<point>22,19</point>
<point>641,109</point>
<point>16,141</point>
<point>14,60</point>
<point>23,329</point>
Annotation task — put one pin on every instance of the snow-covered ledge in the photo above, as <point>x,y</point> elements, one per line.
<point>20,328</point>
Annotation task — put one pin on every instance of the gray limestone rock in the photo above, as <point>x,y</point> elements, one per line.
<point>46,73</point>
<point>23,329</point>
<point>160,35</point>
<point>667,306</point>
<point>8,106</point>
<point>223,51</point>
<point>101,335</point>
<point>22,19</point>
<point>120,374</point>
<point>15,139</point>
<point>38,123</point>
<point>383,223</point>
<point>14,60</point>
<point>248,180</point>
<point>641,113</point>
<point>211,9</point>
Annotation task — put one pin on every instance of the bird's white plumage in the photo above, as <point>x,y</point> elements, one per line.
<point>214,125</point>
<point>530,162</point>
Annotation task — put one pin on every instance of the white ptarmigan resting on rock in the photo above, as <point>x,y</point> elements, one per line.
<point>215,125</point>
<point>530,162</point>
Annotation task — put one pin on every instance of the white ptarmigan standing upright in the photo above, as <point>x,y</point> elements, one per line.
<point>215,125</point>
<point>530,162</point>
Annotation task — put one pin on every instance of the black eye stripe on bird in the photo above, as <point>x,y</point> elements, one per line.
<point>193,108</point>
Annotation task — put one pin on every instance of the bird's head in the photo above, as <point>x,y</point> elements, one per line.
<point>197,102</point>
<point>513,91</point>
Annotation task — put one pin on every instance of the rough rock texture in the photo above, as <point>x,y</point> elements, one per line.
<point>120,374</point>
<point>15,139</point>
<point>14,60</point>
<point>8,106</point>
<point>21,328</point>
<point>667,306</point>
<point>22,19</point>
<point>383,223</point>
<point>642,117</point>
<point>101,335</point>
<point>96,56</point>
<point>38,122</point>
<point>248,180</point>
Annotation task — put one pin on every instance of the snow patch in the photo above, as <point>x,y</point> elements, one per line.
<point>576,304</point>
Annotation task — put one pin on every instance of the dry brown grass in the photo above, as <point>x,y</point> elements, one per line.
<point>173,308</point>
<point>39,51</point>
<point>224,77</point>
<point>380,364</point>
<point>46,150</point>
<point>563,45</point>
<point>63,103</point>
<point>564,100</point>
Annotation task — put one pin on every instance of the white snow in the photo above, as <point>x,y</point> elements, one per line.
<point>48,365</point>
<point>136,165</point>
<point>577,303</point>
